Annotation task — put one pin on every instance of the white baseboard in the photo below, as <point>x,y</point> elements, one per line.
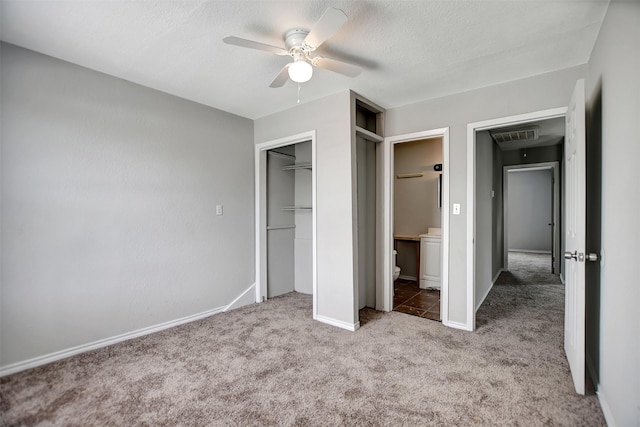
<point>339,323</point>
<point>411,278</point>
<point>562,278</point>
<point>530,251</point>
<point>457,325</point>
<point>493,282</point>
<point>606,409</point>
<point>247,297</point>
<point>483,298</point>
<point>62,354</point>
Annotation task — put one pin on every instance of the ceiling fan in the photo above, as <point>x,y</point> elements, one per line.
<point>300,44</point>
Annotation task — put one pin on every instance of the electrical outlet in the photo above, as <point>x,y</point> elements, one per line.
<point>218,210</point>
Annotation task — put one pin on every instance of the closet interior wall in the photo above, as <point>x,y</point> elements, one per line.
<point>366,194</point>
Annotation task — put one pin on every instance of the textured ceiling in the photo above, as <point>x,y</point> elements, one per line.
<point>409,50</point>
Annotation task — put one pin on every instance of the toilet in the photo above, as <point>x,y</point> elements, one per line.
<point>396,269</point>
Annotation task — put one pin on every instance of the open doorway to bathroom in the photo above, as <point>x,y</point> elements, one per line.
<point>417,225</point>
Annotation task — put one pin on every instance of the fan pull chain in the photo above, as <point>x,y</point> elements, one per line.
<point>298,93</point>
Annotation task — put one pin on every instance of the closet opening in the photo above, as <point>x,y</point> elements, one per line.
<point>367,125</point>
<point>285,218</point>
<point>368,219</point>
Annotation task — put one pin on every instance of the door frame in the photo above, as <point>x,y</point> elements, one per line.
<point>387,284</point>
<point>261,211</point>
<point>472,129</point>
<point>555,244</point>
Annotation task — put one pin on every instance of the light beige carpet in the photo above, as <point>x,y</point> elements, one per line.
<point>528,269</point>
<point>271,364</point>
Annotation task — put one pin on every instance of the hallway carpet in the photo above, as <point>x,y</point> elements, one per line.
<point>271,364</point>
<point>528,269</point>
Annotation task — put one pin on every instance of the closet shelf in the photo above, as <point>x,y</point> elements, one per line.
<point>281,227</point>
<point>296,208</point>
<point>297,166</point>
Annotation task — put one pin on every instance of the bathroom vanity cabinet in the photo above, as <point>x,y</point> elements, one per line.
<point>430,261</point>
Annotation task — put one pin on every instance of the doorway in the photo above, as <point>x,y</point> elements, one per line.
<point>391,238</point>
<point>484,267</point>
<point>531,210</point>
<point>300,210</point>
<point>417,209</point>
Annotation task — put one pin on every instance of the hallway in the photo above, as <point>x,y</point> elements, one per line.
<point>528,269</point>
<point>528,289</point>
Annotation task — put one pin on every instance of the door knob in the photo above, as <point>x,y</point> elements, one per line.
<point>592,257</point>
<point>571,255</point>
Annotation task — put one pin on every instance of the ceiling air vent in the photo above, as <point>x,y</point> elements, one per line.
<point>528,134</point>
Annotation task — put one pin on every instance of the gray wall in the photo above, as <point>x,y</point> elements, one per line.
<point>303,221</point>
<point>108,218</point>
<point>335,174</point>
<point>530,207</point>
<point>497,208</point>
<point>488,214</point>
<point>540,92</point>
<point>613,69</point>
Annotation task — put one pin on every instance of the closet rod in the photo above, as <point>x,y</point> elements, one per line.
<point>409,175</point>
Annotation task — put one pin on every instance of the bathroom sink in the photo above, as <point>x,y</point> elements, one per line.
<point>432,232</point>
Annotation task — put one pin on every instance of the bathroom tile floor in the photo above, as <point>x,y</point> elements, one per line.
<point>409,298</point>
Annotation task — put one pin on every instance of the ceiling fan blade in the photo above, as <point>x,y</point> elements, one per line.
<point>337,66</point>
<point>282,77</point>
<point>237,41</point>
<point>327,25</point>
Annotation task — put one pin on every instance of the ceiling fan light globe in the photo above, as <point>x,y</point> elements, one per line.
<point>300,71</point>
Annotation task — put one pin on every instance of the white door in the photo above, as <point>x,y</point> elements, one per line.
<point>575,191</point>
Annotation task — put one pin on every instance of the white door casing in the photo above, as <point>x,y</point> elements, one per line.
<point>575,231</point>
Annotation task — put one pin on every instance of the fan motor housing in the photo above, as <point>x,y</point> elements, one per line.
<point>295,38</point>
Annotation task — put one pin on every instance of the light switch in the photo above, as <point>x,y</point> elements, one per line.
<point>456,208</point>
<point>218,209</point>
